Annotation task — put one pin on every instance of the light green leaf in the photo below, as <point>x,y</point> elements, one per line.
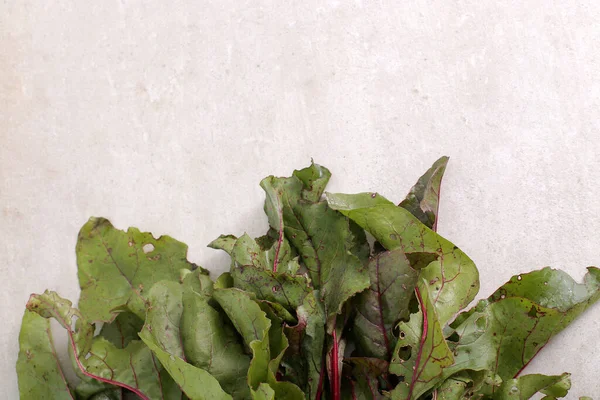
<point>525,387</point>
<point>38,369</point>
<point>116,268</point>
<point>394,276</point>
<point>223,242</point>
<point>504,332</point>
<point>264,392</point>
<point>453,280</point>
<point>423,199</point>
<point>421,354</point>
<point>132,367</point>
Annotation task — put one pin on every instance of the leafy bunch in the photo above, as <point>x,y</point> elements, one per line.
<point>346,296</point>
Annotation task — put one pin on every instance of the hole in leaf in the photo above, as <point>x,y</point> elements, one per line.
<point>404,353</point>
<point>402,335</point>
<point>533,312</point>
<point>519,278</point>
<point>148,247</point>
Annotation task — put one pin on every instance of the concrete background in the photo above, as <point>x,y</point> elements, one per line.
<point>166,115</point>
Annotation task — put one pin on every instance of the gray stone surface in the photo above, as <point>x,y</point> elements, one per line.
<point>165,116</point>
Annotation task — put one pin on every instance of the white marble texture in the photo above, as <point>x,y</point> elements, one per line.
<point>165,116</point>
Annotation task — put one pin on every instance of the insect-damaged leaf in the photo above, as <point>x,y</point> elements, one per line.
<point>504,332</point>
<point>252,271</point>
<point>328,246</point>
<point>421,354</point>
<point>394,275</point>
<point>38,369</point>
<point>115,268</point>
<point>525,387</point>
<point>423,199</point>
<point>453,280</point>
<point>132,368</point>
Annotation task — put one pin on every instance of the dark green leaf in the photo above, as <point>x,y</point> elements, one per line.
<point>453,280</point>
<point>421,354</point>
<point>122,330</point>
<point>423,199</point>
<point>393,276</point>
<point>361,378</point>
<point>322,236</point>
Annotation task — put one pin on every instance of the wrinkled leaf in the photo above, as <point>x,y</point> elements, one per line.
<point>117,268</point>
<point>504,332</point>
<point>421,354</point>
<point>253,325</point>
<point>423,199</point>
<point>38,369</point>
<point>524,387</point>
<point>394,276</point>
<point>252,272</point>
<point>322,236</point>
<point>132,367</point>
<point>453,280</point>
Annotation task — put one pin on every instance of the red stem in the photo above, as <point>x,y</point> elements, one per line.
<point>320,385</point>
<point>82,368</point>
<point>335,373</point>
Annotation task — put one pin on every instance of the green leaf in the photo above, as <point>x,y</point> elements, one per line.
<point>115,268</point>
<point>196,383</point>
<point>361,378</point>
<point>323,237</point>
<point>210,343</point>
<point>132,368</point>
<point>307,338</point>
<point>182,324</point>
<point>525,387</point>
<point>223,242</point>
<point>264,392</point>
<point>423,199</point>
<point>253,325</point>
<point>252,272</point>
<point>122,330</point>
<point>504,332</point>
<point>421,354</point>
<point>453,280</point>
<point>394,276</point>
<point>38,369</point>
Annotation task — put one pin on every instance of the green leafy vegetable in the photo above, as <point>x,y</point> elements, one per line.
<point>310,310</point>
